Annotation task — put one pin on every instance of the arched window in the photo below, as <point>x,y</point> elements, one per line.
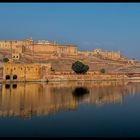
<point>7,77</point>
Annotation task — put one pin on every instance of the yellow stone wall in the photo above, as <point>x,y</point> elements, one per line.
<point>15,56</point>
<point>52,49</point>
<point>13,45</point>
<point>41,48</point>
<point>67,49</point>
<point>25,71</point>
<point>110,55</point>
<point>103,54</point>
<point>106,54</point>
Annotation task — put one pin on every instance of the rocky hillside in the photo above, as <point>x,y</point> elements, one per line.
<point>64,63</point>
<point>95,64</point>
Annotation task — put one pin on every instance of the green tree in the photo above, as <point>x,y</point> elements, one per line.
<point>102,70</point>
<point>79,67</point>
<point>5,59</point>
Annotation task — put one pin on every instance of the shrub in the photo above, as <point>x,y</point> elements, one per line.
<point>5,59</point>
<point>102,70</point>
<point>79,67</point>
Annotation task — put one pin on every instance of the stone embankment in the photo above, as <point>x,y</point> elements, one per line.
<point>86,77</point>
<point>78,77</point>
<point>60,78</point>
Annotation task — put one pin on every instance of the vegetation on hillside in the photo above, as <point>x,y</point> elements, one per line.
<point>102,70</point>
<point>5,59</point>
<point>80,68</point>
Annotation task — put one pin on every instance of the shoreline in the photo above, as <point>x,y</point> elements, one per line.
<point>135,79</point>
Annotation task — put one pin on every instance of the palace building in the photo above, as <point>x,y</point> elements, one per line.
<point>25,72</point>
<point>43,48</point>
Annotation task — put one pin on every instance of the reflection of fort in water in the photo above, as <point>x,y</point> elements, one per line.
<point>25,100</point>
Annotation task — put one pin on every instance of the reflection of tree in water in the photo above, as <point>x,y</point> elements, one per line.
<point>27,99</point>
<point>79,92</point>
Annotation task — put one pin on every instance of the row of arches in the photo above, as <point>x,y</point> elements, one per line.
<point>7,77</point>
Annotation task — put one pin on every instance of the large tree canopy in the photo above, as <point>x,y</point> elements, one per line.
<point>79,67</point>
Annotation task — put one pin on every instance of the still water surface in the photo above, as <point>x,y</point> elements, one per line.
<point>82,109</point>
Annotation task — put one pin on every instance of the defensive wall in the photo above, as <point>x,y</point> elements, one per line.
<point>24,72</point>
<point>43,72</point>
<point>16,72</point>
<point>48,49</point>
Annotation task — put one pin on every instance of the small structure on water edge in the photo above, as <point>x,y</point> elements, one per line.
<point>25,72</point>
<point>18,72</point>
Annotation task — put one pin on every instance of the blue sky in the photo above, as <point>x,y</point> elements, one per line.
<point>110,26</point>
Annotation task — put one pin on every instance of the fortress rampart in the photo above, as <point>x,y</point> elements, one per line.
<point>47,49</point>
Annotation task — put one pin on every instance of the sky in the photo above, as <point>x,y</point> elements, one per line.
<point>109,26</point>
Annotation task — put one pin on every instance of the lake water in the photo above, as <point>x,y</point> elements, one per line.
<point>70,109</point>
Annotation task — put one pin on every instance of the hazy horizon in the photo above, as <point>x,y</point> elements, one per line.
<point>109,26</point>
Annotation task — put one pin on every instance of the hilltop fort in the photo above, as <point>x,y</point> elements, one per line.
<point>32,60</point>
<point>45,49</point>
